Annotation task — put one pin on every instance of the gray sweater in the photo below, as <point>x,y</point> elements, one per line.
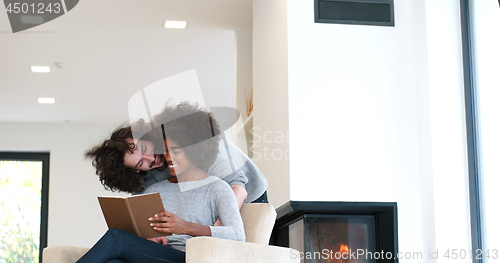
<point>232,165</point>
<point>201,202</point>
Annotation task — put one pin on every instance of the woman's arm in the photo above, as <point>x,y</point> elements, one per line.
<point>223,205</point>
<point>229,214</point>
<point>241,195</point>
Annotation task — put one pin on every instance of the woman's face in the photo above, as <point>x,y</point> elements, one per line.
<point>177,160</point>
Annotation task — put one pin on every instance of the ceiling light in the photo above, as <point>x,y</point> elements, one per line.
<point>175,24</point>
<point>47,100</point>
<point>44,69</point>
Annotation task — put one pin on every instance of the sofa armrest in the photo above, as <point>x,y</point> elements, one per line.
<point>211,250</point>
<point>63,254</point>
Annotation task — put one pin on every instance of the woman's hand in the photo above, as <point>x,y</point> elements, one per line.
<point>159,240</point>
<point>169,223</point>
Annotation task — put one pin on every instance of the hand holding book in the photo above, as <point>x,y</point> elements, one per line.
<point>131,213</point>
<point>169,223</point>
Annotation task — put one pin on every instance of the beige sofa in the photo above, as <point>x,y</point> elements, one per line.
<point>258,220</point>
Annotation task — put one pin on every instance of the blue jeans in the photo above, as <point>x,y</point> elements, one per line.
<point>262,198</point>
<point>118,246</point>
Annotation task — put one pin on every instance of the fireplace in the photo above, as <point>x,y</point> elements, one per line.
<point>339,232</point>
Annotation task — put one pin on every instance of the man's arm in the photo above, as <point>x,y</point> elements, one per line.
<point>240,193</point>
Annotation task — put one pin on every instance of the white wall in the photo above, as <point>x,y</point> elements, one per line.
<point>447,123</point>
<point>270,82</point>
<point>243,86</point>
<point>244,76</point>
<point>376,114</point>
<point>353,114</point>
<point>486,20</point>
<point>75,217</point>
<point>352,102</point>
<point>424,128</point>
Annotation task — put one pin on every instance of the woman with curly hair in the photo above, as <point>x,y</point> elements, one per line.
<point>193,199</point>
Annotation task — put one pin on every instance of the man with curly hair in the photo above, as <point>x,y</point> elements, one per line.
<point>128,164</point>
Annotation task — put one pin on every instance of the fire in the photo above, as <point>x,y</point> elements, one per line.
<point>343,249</point>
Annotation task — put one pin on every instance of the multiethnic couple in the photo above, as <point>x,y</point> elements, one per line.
<point>203,180</point>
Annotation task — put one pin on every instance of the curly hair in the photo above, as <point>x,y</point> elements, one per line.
<point>109,164</point>
<point>187,124</point>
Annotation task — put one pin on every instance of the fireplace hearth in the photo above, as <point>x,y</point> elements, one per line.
<point>339,232</point>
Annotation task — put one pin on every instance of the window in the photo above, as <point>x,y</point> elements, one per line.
<point>480,22</point>
<point>24,181</point>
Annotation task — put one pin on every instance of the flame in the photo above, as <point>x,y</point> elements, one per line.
<point>343,248</point>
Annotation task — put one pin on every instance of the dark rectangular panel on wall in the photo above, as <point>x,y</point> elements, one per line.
<point>355,12</point>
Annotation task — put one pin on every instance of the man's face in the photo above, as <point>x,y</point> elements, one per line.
<point>142,158</point>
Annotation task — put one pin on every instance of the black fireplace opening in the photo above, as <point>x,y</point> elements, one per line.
<point>340,232</point>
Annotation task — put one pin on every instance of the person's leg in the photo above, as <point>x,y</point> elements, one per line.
<point>116,261</point>
<point>118,244</point>
<point>262,198</point>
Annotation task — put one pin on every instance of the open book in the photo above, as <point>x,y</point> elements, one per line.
<point>131,213</point>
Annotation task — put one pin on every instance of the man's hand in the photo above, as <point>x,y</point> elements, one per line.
<point>218,223</point>
<point>159,240</point>
<point>169,223</point>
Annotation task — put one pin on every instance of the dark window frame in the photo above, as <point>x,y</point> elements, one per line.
<point>44,157</point>
<point>471,128</point>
